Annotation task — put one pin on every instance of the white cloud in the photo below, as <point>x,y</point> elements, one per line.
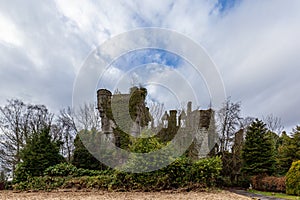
<point>255,46</point>
<point>9,32</point>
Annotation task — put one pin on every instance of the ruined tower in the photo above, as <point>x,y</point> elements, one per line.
<point>104,107</point>
<point>126,111</point>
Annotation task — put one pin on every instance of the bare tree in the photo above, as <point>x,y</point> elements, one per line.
<point>17,122</point>
<point>66,130</point>
<point>273,123</point>
<point>245,122</point>
<point>71,121</point>
<point>87,117</point>
<point>228,122</point>
<point>67,118</point>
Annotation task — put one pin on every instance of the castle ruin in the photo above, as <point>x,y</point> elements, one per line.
<point>129,113</point>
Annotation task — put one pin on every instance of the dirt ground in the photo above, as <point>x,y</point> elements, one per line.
<point>91,195</point>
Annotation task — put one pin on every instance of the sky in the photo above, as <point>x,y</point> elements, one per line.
<point>254,45</point>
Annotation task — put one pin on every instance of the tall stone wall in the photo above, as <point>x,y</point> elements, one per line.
<point>115,108</point>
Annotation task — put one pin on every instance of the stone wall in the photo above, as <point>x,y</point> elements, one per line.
<point>130,114</point>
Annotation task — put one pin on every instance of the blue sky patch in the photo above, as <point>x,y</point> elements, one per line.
<point>147,56</point>
<point>225,5</point>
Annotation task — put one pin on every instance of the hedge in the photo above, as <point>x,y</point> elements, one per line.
<point>293,179</point>
<point>268,183</point>
<point>180,174</point>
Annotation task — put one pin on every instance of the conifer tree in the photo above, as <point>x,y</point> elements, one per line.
<point>40,153</point>
<point>82,158</point>
<point>258,150</point>
<point>288,151</point>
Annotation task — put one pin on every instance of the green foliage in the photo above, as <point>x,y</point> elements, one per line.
<point>40,183</point>
<point>39,153</point>
<point>293,179</point>
<point>122,139</point>
<point>66,169</point>
<point>288,151</point>
<point>152,161</point>
<point>21,173</point>
<point>137,105</point>
<point>180,173</point>
<point>62,169</point>
<point>206,170</point>
<point>145,145</point>
<point>258,151</point>
<point>82,158</point>
<point>94,182</point>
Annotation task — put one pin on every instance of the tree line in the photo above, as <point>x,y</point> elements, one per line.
<point>250,146</point>
<point>21,124</point>
<point>28,130</point>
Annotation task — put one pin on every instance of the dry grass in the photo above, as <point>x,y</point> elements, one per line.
<point>89,195</point>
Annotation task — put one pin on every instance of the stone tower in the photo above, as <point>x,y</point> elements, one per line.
<point>104,107</point>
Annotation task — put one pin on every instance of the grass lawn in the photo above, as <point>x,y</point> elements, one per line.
<point>275,194</point>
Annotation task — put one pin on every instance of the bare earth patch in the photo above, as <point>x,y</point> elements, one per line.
<point>91,195</point>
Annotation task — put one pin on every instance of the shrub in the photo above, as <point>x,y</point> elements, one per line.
<point>178,172</point>
<point>66,169</point>
<point>181,173</point>
<point>293,179</point>
<point>21,173</point>
<point>268,183</point>
<point>40,183</point>
<point>206,171</point>
<point>62,169</point>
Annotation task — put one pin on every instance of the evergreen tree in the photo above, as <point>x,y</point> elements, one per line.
<point>258,150</point>
<point>40,153</point>
<point>288,151</point>
<point>82,158</point>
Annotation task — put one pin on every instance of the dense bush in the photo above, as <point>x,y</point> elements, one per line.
<point>82,157</point>
<point>66,169</point>
<point>40,183</point>
<point>268,183</point>
<point>207,170</point>
<point>140,163</point>
<point>62,169</point>
<point>293,179</point>
<point>181,173</point>
<point>95,182</point>
<point>21,173</point>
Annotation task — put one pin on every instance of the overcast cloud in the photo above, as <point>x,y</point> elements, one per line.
<point>255,45</point>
